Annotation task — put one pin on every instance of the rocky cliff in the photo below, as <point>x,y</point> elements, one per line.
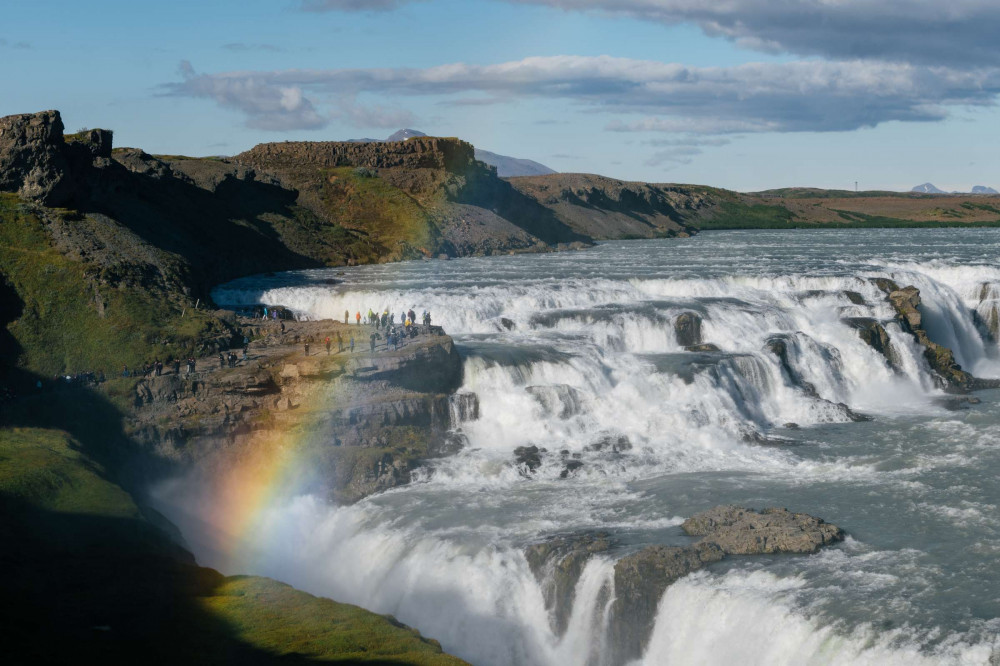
<point>606,208</point>
<point>360,421</point>
<point>419,197</point>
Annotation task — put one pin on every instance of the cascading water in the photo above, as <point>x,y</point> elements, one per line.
<point>637,426</point>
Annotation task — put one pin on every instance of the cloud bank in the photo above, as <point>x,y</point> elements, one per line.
<point>955,33</point>
<point>643,95</point>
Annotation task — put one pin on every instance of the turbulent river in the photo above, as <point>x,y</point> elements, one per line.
<point>588,359</point>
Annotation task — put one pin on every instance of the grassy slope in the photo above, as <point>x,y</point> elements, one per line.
<point>798,208</point>
<point>390,216</point>
<point>60,328</point>
<point>81,563</point>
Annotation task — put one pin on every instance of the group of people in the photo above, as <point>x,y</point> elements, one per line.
<point>231,359</point>
<point>155,369</point>
<point>387,320</point>
<point>275,314</point>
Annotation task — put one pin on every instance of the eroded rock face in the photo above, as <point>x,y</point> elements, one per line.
<point>640,581</point>
<point>642,578</point>
<point>557,565</point>
<point>740,531</point>
<point>906,302</point>
<point>687,327</point>
<point>875,336</point>
<point>33,160</point>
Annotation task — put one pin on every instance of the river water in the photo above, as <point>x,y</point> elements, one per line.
<point>589,355</point>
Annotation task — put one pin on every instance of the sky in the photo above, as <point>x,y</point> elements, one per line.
<point>742,94</point>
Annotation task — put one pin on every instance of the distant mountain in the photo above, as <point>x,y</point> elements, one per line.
<point>982,189</point>
<point>927,188</point>
<point>509,167</point>
<point>404,134</point>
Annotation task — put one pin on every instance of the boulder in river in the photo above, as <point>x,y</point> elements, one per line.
<point>854,297</point>
<point>740,531</point>
<point>528,458</point>
<point>687,327</point>
<point>703,347</point>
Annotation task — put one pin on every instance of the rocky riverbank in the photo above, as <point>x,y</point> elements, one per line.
<point>367,418</point>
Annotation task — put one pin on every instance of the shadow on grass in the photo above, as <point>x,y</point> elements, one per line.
<point>93,581</point>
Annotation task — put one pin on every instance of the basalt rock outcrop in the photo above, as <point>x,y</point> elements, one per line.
<point>428,195</point>
<point>873,333</point>
<point>642,577</point>
<point>740,531</point>
<point>606,208</point>
<point>557,565</point>
<point>687,329</point>
<point>906,303</point>
<point>362,421</point>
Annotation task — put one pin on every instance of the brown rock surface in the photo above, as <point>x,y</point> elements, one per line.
<point>740,531</point>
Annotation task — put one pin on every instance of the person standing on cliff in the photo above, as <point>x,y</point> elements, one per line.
<point>340,342</point>
<point>347,315</point>
<point>327,345</point>
<point>373,343</point>
<point>222,361</point>
<point>352,343</point>
<point>358,317</point>
<point>307,349</point>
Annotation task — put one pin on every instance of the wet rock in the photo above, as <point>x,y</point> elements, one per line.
<point>640,581</point>
<point>687,328</point>
<point>740,531</point>
<point>448,444</point>
<point>570,467</point>
<point>559,400</point>
<point>703,347</point>
<point>642,578</point>
<point>754,436</point>
<point>528,458</point>
<point>557,565</point>
<point>792,426</point>
<point>906,302</point>
<point>857,417</point>
<point>941,359</point>
<point>884,284</point>
<point>956,403</point>
<point>875,336</point>
<point>464,407</point>
<point>854,297</point>
<point>613,443</point>
<point>779,347</point>
<point>508,324</point>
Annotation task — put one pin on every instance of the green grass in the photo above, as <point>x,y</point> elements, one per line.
<point>389,216</point>
<point>79,553</point>
<point>762,216</point>
<point>62,329</point>
<point>734,215</point>
<point>282,620</point>
<point>46,469</point>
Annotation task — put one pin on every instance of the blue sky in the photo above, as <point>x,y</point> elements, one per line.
<point>735,94</point>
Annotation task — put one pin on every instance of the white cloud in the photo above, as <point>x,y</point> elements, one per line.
<point>953,32</point>
<point>668,97</point>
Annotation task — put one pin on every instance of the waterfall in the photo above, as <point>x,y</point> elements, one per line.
<point>592,361</point>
